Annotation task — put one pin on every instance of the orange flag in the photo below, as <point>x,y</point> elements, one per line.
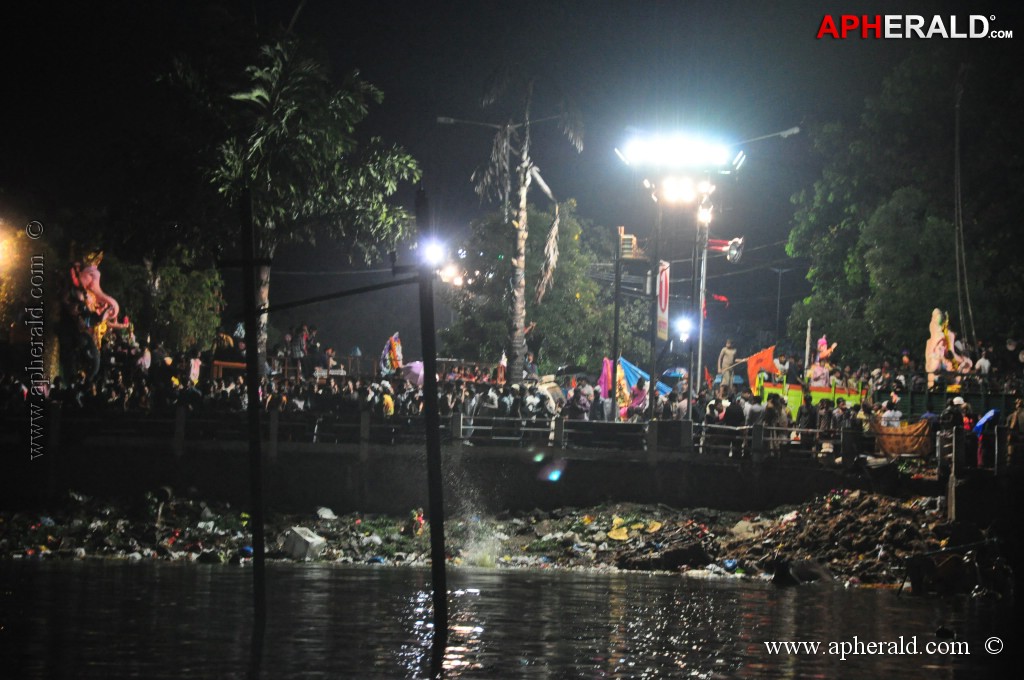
<point>762,361</point>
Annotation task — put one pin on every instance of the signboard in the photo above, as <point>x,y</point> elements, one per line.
<point>663,300</point>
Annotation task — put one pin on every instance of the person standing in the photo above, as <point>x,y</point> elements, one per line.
<point>578,407</point>
<point>530,370</point>
<point>1015,430</point>
<point>726,361</point>
<point>782,368</point>
<point>637,405</point>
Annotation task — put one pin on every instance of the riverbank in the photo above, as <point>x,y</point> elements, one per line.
<point>862,538</point>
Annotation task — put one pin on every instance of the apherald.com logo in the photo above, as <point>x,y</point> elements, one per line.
<point>898,26</point>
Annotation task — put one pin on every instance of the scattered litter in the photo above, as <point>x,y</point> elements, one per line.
<point>862,538</point>
<point>301,543</point>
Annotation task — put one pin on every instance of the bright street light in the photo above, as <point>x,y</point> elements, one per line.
<point>674,152</point>
<point>678,190</point>
<point>684,325</point>
<point>704,211</point>
<point>434,253</point>
<point>688,163</point>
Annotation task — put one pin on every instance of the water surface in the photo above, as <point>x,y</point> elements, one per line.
<point>107,619</point>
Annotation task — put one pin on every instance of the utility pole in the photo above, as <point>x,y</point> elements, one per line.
<point>652,278</point>
<point>778,301</point>
<point>615,330</point>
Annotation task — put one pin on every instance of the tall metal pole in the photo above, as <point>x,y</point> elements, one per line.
<point>703,228</point>
<point>435,480</point>
<point>615,332</point>
<point>432,416</point>
<point>694,380</point>
<point>778,301</point>
<point>652,399</point>
<point>252,377</point>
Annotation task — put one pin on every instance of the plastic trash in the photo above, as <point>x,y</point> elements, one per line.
<point>301,543</point>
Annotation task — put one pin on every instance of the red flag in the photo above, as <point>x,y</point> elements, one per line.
<point>762,361</point>
<point>720,298</point>
<point>707,377</point>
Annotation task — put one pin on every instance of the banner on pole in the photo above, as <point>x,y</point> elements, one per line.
<point>663,268</point>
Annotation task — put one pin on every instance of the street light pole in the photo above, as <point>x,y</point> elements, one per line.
<point>778,301</point>
<point>654,276</point>
<point>694,379</point>
<point>702,299</point>
<point>615,332</point>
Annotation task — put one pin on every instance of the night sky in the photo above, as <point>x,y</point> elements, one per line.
<point>735,70</point>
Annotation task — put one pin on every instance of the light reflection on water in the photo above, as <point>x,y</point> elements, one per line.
<point>163,620</point>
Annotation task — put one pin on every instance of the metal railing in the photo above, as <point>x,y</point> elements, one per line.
<point>684,438</point>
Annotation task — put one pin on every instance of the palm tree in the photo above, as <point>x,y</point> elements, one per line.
<point>494,180</point>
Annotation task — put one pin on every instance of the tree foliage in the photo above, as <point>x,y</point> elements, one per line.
<point>575,318</point>
<point>878,225</point>
<point>290,139</point>
<point>292,142</point>
<point>495,180</point>
<point>178,307</point>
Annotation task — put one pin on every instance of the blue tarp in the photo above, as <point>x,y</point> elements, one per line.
<point>632,372</point>
<point>980,426</point>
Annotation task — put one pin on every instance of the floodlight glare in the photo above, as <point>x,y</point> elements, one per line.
<point>740,159</point>
<point>678,190</point>
<point>433,253</point>
<point>449,273</point>
<point>683,326</point>
<point>704,213</point>
<point>675,151</point>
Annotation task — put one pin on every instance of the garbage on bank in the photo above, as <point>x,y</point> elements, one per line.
<point>850,537</point>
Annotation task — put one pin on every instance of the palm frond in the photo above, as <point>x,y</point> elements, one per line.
<point>492,180</point>
<point>535,171</point>
<point>547,274</point>
<point>570,120</point>
<point>498,82</point>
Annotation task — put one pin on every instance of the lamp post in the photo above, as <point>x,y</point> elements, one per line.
<point>694,158</point>
<point>703,223</point>
<point>433,256</point>
<point>654,278</point>
<point>688,163</point>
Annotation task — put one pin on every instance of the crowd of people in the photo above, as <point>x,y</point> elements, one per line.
<point>302,375</point>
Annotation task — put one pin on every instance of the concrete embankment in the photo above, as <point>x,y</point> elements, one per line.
<point>391,478</point>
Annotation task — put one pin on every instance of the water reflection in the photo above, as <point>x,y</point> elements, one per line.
<point>115,620</point>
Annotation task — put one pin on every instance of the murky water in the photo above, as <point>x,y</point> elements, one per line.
<point>165,620</point>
